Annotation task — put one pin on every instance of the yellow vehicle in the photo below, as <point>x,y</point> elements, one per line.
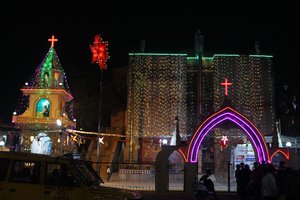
<point>42,177</point>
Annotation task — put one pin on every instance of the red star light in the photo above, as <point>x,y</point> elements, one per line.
<point>99,52</point>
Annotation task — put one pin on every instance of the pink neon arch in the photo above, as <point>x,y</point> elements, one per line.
<point>231,115</point>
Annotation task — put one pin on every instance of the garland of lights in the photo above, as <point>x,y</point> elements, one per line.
<point>50,62</point>
<point>157,84</point>
<point>94,133</point>
<point>156,94</point>
<point>252,90</point>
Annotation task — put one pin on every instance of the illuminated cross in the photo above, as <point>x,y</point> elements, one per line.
<point>52,40</point>
<point>226,84</point>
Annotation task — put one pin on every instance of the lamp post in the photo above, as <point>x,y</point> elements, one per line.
<point>60,124</point>
<point>99,56</point>
<point>99,122</point>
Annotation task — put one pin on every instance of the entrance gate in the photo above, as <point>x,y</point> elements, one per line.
<point>191,150</point>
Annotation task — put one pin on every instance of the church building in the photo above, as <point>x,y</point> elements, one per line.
<point>191,86</point>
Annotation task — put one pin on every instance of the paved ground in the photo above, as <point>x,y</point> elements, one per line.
<point>182,196</point>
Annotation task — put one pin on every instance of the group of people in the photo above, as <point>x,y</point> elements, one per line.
<point>264,182</point>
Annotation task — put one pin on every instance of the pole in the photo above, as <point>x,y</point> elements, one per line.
<point>178,139</point>
<point>228,172</point>
<point>296,143</point>
<point>61,131</point>
<point>99,121</point>
<point>296,152</point>
<point>61,142</point>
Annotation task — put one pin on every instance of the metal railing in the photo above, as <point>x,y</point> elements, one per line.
<point>142,177</point>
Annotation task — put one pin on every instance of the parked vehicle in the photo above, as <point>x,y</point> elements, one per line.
<point>36,177</point>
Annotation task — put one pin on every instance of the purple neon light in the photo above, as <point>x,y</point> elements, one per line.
<point>256,135</point>
<point>258,150</point>
<point>200,135</point>
<point>203,135</point>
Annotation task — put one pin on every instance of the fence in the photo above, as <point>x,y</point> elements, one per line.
<point>142,177</point>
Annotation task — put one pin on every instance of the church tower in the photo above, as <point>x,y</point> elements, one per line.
<point>46,99</point>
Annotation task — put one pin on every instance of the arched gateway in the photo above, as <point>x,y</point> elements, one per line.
<point>190,150</point>
<point>230,114</point>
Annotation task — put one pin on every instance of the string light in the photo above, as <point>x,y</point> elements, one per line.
<point>57,80</point>
<point>251,94</point>
<point>157,87</point>
<point>48,78</point>
<point>93,133</point>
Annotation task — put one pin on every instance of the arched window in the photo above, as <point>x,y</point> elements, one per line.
<point>43,108</point>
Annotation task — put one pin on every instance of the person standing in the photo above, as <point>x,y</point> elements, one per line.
<point>256,179</point>
<point>268,187</point>
<point>237,174</point>
<point>108,173</point>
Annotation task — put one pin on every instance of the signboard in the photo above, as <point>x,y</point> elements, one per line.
<point>244,153</point>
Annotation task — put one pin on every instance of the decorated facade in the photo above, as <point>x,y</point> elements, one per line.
<point>247,81</point>
<point>156,95</point>
<point>45,110</point>
<point>162,86</point>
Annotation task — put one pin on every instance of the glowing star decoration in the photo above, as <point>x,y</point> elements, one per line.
<point>99,51</point>
<point>52,40</point>
<point>79,141</point>
<point>74,138</point>
<point>224,141</point>
<point>226,84</point>
<point>101,140</point>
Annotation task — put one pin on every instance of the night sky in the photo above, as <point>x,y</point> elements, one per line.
<point>24,44</point>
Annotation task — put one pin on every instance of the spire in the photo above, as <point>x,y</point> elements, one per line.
<point>257,47</point>
<point>49,78</point>
<point>199,43</point>
<point>49,74</point>
<point>142,45</point>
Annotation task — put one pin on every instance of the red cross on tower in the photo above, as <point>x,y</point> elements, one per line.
<point>52,40</point>
<point>226,84</point>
